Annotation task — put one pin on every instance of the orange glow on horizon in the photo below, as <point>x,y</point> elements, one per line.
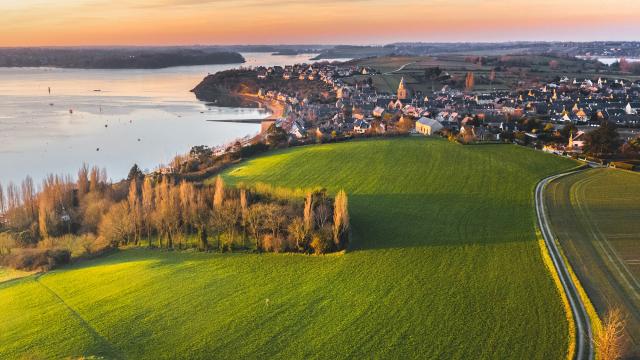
<point>172,22</point>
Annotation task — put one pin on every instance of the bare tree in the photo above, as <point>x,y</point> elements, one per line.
<point>147,206</point>
<point>135,208</point>
<point>94,179</point>
<point>298,232</point>
<point>167,213</point>
<point>116,226</point>
<point>187,206</point>
<point>255,221</point>
<point>83,181</point>
<point>229,216</point>
<point>29,200</point>
<point>244,212</point>
<point>54,204</point>
<point>609,340</point>
<point>340,218</point>
<point>218,195</point>
<point>308,212</point>
<point>201,218</point>
<point>322,210</point>
<point>273,219</point>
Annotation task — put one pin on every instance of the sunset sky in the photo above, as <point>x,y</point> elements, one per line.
<point>173,22</point>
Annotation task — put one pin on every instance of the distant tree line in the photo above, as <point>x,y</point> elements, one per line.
<point>114,58</point>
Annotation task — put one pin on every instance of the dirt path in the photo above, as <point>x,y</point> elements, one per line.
<point>399,69</point>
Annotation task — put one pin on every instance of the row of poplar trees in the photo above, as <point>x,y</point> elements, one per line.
<point>184,214</point>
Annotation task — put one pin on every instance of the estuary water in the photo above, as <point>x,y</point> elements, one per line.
<point>608,60</point>
<point>54,120</point>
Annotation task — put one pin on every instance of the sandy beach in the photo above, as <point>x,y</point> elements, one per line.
<point>275,107</point>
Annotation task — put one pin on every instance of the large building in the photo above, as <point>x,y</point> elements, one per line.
<point>426,126</point>
<point>403,94</point>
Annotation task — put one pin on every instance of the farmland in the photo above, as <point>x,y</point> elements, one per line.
<point>595,217</point>
<point>444,263</point>
<point>514,71</point>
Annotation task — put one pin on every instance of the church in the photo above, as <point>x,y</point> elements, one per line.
<point>403,93</point>
<point>402,97</point>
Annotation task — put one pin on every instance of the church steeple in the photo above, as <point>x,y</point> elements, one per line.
<point>570,146</point>
<point>402,90</point>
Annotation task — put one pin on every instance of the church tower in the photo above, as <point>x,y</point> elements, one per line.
<point>402,90</point>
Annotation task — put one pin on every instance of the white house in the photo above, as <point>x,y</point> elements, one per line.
<point>428,126</point>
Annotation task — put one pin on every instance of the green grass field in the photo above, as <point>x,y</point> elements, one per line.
<point>596,216</point>
<point>444,263</point>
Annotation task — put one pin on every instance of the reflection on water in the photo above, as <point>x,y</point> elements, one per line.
<point>607,60</point>
<point>111,118</point>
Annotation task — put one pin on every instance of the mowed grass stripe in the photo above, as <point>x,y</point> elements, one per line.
<point>444,263</point>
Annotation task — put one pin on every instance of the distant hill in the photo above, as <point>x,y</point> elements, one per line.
<point>115,58</point>
<point>354,52</point>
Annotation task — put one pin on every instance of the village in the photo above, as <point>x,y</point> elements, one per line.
<point>532,117</point>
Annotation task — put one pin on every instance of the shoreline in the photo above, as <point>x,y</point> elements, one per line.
<point>275,108</point>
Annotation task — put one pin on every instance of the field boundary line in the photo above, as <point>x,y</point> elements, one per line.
<point>84,323</point>
<point>570,284</point>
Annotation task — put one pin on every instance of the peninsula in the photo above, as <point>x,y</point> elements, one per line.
<point>117,58</point>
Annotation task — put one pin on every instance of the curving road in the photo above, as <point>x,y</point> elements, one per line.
<point>584,344</point>
<point>399,69</point>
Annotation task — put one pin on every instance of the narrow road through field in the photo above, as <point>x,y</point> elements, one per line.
<point>584,345</point>
<point>399,69</point>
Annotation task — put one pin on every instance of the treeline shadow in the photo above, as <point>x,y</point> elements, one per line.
<point>386,221</point>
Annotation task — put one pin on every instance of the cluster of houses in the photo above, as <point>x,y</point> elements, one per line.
<point>326,72</point>
<point>485,116</point>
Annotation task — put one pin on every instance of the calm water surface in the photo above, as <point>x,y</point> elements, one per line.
<point>608,60</point>
<point>119,117</point>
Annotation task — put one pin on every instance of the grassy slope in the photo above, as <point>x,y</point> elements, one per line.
<point>595,214</point>
<point>444,264</point>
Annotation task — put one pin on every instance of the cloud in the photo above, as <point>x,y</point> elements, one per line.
<point>254,4</point>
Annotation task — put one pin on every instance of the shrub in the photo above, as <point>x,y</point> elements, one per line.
<point>36,259</point>
<point>7,242</point>
<point>322,241</point>
<point>275,244</point>
<point>78,245</point>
